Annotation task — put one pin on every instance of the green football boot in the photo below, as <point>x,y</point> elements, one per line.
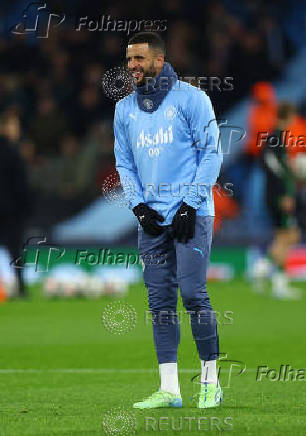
<point>210,396</point>
<point>159,399</point>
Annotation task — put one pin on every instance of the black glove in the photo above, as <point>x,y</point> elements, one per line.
<point>183,223</point>
<point>147,218</point>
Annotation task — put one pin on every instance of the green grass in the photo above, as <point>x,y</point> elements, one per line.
<point>57,341</point>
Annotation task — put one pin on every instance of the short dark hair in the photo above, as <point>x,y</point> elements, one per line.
<point>153,39</point>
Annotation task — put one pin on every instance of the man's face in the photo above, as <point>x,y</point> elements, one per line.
<point>142,62</point>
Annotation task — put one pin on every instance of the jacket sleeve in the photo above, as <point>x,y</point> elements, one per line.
<point>205,136</point>
<point>125,164</point>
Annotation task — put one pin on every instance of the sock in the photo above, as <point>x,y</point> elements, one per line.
<point>209,371</point>
<point>279,283</point>
<point>169,378</point>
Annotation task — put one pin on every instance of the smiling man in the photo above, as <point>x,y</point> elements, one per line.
<point>168,158</point>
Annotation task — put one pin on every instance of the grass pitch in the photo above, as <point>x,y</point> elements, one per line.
<point>65,370</point>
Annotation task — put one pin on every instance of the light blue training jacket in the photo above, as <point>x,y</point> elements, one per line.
<point>170,155</point>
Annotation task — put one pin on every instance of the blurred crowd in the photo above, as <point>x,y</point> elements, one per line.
<point>52,100</point>
<point>276,133</point>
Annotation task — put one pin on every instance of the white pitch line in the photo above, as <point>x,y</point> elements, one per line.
<point>98,370</point>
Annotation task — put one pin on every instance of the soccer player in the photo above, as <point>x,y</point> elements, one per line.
<point>168,158</point>
<point>280,196</point>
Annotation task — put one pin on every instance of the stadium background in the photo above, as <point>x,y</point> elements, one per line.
<point>57,118</point>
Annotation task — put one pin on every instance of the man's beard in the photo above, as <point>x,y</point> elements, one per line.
<point>150,73</point>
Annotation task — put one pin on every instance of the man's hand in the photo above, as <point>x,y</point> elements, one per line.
<point>287,203</point>
<point>183,223</point>
<point>147,218</point>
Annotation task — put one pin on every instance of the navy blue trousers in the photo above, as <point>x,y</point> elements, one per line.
<point>169,264</point>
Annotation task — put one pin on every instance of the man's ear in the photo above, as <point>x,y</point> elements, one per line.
<point>159,60</point>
